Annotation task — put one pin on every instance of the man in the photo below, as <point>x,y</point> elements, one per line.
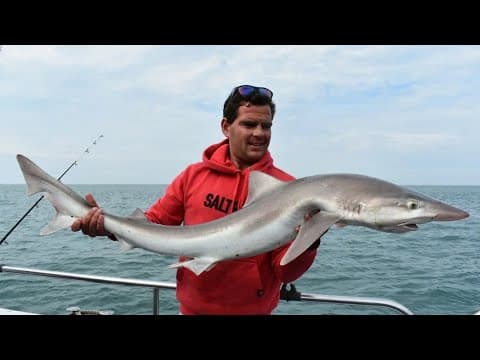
<point>215,187</point>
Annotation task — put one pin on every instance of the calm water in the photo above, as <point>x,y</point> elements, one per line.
<point>435,270</point>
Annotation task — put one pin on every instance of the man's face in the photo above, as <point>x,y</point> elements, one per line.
<point>249,134</point>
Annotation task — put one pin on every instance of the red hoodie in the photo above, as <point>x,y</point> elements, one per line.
<point>206,191</point>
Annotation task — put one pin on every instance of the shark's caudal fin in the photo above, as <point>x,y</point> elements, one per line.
<point>309,232</point>
<point>197,265</point>
<point>38,180</point>
<point>33,175</point>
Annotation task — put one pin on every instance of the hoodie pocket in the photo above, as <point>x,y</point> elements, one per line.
<point>228,282</point>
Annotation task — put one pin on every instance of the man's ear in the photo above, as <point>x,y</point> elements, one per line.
<point>225,127</point>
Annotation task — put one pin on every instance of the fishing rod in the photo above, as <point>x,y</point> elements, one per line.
<point>86,151</point>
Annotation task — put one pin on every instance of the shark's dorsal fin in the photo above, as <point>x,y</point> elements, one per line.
<point>137,214</point>
<point>260,184</point>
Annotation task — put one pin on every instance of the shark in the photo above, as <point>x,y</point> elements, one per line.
<point>272,216</point>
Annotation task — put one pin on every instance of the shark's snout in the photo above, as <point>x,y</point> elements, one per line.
<point>451,214</point>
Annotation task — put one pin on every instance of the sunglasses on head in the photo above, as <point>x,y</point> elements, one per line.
<point>248,90</point>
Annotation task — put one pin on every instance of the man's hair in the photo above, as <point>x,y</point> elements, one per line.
<point>235,100</point>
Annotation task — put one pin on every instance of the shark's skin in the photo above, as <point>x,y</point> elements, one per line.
<point>267,221</point>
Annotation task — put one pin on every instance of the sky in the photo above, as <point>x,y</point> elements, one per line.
<point>141,114</point>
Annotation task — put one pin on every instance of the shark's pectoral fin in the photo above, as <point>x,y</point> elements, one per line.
<point>59,222</point>
<point>197,265</point>
<point>309,232</point>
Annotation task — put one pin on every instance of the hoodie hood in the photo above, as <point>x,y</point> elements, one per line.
<point>217,157</point>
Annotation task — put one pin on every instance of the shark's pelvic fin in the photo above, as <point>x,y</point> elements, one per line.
<point>197,265</point>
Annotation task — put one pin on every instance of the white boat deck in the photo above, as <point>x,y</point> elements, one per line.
<point>4,311</point>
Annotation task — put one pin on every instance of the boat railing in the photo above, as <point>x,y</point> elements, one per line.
<point>288,292</point>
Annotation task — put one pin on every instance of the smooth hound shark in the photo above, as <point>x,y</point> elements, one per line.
<point>268,220</point>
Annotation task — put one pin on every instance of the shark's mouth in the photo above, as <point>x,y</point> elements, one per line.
<point>412,224</point>
<point>400,228</point>
<point>409,227</point>
<point>404,225</point>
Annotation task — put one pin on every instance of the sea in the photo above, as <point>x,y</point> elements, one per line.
<point>432,271</point>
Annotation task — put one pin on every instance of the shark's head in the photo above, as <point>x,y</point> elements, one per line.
<point>384,206</point>
<point>406,209</point>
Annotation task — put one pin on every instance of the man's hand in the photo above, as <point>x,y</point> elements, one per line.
<point>92,223</point>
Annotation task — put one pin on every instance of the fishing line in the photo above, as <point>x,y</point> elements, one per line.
<point>85,152</point>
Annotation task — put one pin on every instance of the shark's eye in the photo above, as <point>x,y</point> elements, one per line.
<point>412,205</point>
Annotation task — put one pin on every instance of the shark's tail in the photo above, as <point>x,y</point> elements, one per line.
<point>63,199</point>
<point>32,174</point>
